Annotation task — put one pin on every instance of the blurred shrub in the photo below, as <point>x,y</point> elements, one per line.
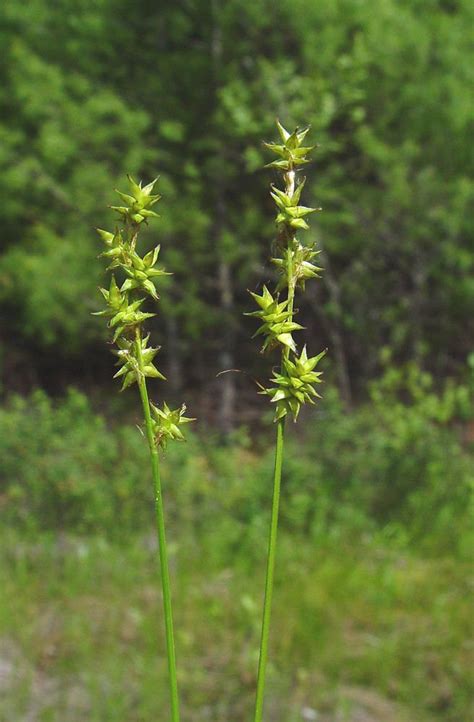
<point>398,466</point>
<point>62,466</point>
<point>403,460</point>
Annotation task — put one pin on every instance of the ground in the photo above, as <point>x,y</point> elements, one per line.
<point>358,635</point>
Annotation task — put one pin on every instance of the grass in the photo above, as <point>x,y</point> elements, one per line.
<point>359,632</point>
<point>371,618</point>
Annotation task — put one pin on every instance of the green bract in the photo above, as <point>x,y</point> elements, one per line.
<point>139,201</point>
<point>291,150</point>
<point>141,271</point>
<point>129,367</point>
<point>277,324</point>
<point>290,213</point>
<point>166,423</point>
<point>294,384</point>
<point>299,259</point>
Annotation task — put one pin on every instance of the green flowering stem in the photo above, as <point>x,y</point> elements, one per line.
<point>290,189</point>
<point>160,525</point>
<point>136,359</point>
<point>272,539</point>
<point>293,385</point>
<point>267,605</point>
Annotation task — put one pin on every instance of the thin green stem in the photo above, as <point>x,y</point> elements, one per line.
<point>290,187</point>
<point>160,524</point>
<point>267,606</point>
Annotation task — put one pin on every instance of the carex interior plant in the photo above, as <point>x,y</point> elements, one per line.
<point>293,383</point>
<point>124,307</point>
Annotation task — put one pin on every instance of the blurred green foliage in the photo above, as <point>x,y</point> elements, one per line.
<point>372,611</point>
<point>396,466</point>
<point>362,631</point>
<point>90,91</point>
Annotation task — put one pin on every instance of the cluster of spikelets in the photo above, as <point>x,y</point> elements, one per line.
<point>277,321</point>
<point>293,385</point>
<point>124,303</point>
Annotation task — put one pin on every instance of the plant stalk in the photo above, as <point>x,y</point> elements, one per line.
<point>160,524</point>
<point>267,605</point>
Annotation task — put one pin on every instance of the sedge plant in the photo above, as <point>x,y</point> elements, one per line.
<point>124,308</point>
<point>293,384</point>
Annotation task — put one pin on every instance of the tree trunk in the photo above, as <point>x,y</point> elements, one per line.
<point>175,369</point>
<point>227,390</point>
<point>334,330</point>
<point>226,413</point>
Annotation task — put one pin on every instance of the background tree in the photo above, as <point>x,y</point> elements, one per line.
<point>187,90</point>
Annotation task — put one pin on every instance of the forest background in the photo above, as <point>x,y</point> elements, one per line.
<point>372,612</point>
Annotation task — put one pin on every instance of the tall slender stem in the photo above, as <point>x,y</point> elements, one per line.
<point>267,606</point>
<point>160,524</point>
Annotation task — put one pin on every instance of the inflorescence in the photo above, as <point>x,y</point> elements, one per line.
<point>293,384</point>
<point>124,303</point>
